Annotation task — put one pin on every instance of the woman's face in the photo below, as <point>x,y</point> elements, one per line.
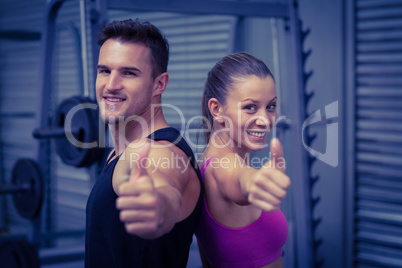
<point>250,112</point>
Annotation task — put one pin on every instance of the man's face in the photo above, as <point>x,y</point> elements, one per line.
<point>124,84</point>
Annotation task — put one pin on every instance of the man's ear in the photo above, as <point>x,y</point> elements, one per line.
<point>215,109</point>
<point>160,83</point>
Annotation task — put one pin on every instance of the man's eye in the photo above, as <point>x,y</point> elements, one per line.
<point>129,74</point>
<point>103,71</point>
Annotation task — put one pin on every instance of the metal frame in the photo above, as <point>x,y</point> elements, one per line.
<point>298,170</point>
<point>20,35</point>
<point>349,117</point>
<point>205,7</point>
<point>42,147</point>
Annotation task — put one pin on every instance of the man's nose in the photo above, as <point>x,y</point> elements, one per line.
<point>114,82</point>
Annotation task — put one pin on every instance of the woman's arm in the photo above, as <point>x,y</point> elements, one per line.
<point>244,185</point>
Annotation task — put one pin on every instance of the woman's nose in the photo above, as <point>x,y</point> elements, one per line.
<point>262,120</point>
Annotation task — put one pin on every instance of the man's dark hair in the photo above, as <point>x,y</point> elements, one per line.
<point>134,31</point>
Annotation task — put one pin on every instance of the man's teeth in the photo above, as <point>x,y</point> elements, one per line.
<point>114,99</point>
<point>257,134</point>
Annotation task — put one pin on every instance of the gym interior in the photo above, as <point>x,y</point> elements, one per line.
<point>338,69</point>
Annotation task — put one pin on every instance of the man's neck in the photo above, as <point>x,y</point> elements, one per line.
<point>125,133</point>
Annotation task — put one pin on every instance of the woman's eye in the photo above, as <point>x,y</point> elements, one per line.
<point>250,107</point>
<point>271,107</point>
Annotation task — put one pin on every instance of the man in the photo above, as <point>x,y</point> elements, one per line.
<point>144,206</point>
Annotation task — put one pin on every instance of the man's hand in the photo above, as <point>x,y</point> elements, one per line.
<point>268,187</point>
<point>140,205</point>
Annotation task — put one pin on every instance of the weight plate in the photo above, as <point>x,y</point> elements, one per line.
<point>28,202</point>
<point>84,127</point>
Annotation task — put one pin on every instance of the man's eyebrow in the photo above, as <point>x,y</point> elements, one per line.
<point>100,66</point>
<point>124,68</point>
<point>130,68</point>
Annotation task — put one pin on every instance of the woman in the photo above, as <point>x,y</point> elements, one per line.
<point>241,224</point>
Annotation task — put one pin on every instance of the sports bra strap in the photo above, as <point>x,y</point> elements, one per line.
<point>205,166</point>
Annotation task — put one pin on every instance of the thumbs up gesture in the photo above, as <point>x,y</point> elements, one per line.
<point>139,202</point>
<point>268,186</point>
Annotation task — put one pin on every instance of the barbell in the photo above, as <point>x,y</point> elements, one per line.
<point>26,187</point>
<point>75,130</point>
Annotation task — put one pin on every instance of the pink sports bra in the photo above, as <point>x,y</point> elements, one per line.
<point>254,245</point>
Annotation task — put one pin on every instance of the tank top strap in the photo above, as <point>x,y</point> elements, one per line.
<point>111,155</point>
<point>173,135</point>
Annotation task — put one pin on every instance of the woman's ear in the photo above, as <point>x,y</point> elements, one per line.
<point>160,83</point>
<point>215,109</point>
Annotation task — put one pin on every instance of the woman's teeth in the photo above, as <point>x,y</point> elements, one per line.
<point>256,134</point>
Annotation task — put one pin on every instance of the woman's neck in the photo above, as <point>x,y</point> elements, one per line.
<point>220,143</point>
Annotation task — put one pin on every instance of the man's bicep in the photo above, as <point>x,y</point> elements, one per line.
<point>165,168</point>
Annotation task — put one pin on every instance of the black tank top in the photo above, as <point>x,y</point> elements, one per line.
<point>107,244</point>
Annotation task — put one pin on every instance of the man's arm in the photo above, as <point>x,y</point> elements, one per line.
<point>150,197</point>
